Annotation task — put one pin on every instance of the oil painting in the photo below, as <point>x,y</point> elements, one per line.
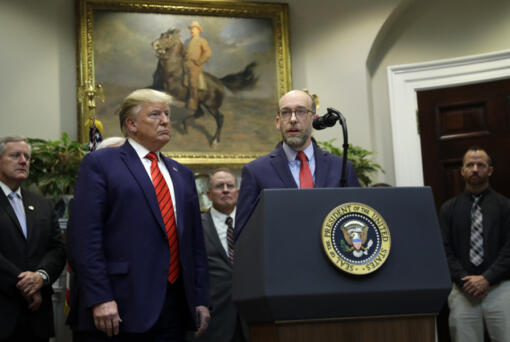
<point>224,65</point>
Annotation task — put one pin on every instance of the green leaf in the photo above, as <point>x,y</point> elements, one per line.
<point>360,158</point>
<point>54,164</point>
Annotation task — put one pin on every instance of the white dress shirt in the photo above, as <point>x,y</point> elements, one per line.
<point>142,152</point>
<point>220,225</point>
<point>295,164</point>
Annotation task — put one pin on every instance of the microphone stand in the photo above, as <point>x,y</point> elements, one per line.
<point>343,123</point>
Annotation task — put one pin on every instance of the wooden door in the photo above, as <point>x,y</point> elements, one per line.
<point>455,118</point>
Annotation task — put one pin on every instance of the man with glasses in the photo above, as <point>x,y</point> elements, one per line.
<point>476,236</point>
<point>296,162</point>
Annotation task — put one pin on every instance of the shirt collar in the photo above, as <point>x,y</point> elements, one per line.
<point>481,194</point>
<point>141,150</point>
<point>222,217</point>
<point>291,153</point>
<point>8,190</point>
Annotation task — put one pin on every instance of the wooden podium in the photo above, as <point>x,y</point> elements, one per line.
<point>287,289</point>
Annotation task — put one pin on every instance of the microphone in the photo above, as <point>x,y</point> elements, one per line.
<point>327,120</point>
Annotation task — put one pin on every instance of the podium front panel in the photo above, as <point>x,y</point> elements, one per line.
<point>281,271</point>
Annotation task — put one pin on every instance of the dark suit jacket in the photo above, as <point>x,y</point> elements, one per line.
<point>42,249</point>
<point>118,244</point>
<point>224,315</point>
<point>272,171</point>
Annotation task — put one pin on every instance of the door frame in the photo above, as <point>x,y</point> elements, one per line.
<point>403,83</point>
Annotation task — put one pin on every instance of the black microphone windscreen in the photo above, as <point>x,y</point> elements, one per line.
<point>318,123</point>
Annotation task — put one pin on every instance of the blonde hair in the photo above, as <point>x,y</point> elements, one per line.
<point>132,104</point>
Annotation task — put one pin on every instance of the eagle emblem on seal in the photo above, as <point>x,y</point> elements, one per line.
<point>355,234</point>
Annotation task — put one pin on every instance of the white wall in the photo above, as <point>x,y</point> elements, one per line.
<point>340,50</point>
<point>428,31</point>
<point>329,45</point>
<point>37,63</point>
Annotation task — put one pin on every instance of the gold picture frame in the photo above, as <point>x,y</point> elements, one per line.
<point>120,50</point>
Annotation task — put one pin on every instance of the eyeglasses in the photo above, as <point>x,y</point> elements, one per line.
<point>301,113</point>
<point>221,186</point>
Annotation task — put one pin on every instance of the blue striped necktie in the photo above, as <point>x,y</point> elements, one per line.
<point>17,205</point>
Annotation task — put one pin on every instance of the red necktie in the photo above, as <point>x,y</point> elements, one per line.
<point>167,212</point>
<point>305,175</point>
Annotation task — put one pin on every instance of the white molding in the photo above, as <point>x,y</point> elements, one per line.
<point>405,80</point>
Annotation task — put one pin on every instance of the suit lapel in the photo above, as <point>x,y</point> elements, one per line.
<point>321,167</point>
<point>212,233</point>
<point>5,205</point>
<point>135,166</point>
<point>281,165</point>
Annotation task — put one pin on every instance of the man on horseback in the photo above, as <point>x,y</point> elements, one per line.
<point>198,52</point>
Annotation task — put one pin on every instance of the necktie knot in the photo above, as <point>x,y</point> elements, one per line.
<point>302,156</point>
<point>476,199</point>
<point>229,221</point>
<point>152,156</point>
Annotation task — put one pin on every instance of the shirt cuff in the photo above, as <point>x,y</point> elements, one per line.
<point>45,276</point>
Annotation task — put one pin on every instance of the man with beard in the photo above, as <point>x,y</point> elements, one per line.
<point>476,235</point>
<point>297,162</point>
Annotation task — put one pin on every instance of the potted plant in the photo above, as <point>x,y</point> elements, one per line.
<point>359,157</point>
<point>54,167</point>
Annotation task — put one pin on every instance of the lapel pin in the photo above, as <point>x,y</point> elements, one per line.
<point>174,168</point>
<point>31,207</point>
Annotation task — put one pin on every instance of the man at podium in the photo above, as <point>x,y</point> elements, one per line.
<point>297,162</point>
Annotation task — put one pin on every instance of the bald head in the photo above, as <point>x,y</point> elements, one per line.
<point>294,119</point>
<point>298,96</point>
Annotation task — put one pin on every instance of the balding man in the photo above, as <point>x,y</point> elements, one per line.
<point>297,162</point>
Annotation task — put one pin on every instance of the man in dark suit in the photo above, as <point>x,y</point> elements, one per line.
<point>32,253</point>
<point>297,162</point>
<point>226,325</point>
<point>135,240</point>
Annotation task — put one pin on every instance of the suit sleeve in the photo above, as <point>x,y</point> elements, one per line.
<point>352,177</point>
<point>248,198</point>
<point>85,233</point>
<point>8,276</point>
<point>199,252</point>
<point>54,259</point>
<point>500,268</point>
<point>445,221</point>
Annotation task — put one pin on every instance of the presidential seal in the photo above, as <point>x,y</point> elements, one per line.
<point>356,238</point>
